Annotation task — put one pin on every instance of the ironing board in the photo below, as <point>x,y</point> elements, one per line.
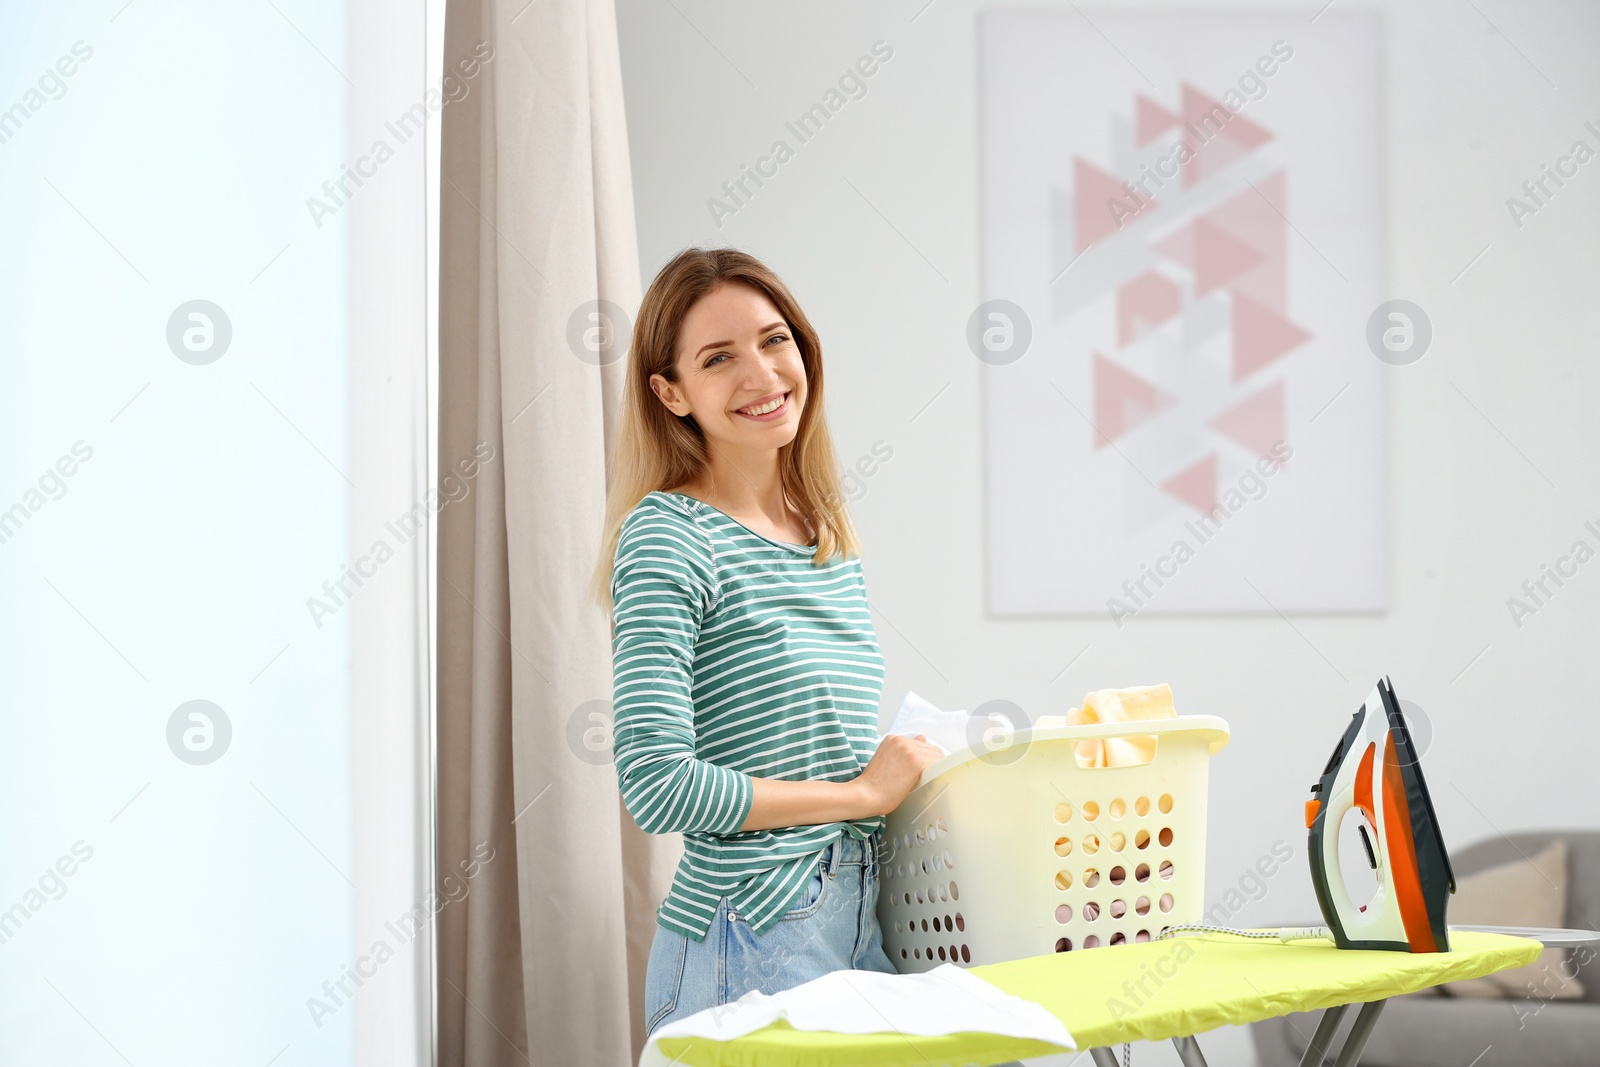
<point>1145,992</point>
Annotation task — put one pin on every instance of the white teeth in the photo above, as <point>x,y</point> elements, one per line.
<point>764,408</point>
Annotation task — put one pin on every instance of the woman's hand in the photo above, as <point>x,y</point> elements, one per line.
<point>890,774</point>
<point>894,770</point>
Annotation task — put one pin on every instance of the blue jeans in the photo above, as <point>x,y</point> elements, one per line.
<point>832,926</point>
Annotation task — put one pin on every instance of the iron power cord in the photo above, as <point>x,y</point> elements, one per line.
<point>1283,935</point>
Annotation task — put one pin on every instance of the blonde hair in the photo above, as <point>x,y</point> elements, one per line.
<point>656,450</point>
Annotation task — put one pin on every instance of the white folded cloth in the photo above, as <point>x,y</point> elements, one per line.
<point>945,1000</point>
<point>946,730</point>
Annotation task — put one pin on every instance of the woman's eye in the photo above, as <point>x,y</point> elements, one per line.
<point>713,360</point>
<point>777,337</point>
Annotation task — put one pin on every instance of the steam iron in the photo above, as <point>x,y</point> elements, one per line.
<point>1374,768</point>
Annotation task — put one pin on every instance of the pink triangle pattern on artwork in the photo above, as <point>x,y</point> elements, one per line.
<point>1179,247</point>
<point>1093,192</point>
<point>1196,485</point>
<point>1219,257</point>
<point>1122,401</point>
<point>1151,120</point>
<point>1255,422</point>
<point>1260,336</point>
<point>1256,218</point>
<point>1150,300</point>
<point>1238,247</point>
<point>1229,139</point>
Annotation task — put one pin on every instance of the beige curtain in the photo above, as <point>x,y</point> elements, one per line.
<point>543,960</point>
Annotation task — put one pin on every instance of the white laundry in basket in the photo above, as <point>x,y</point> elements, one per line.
<point>945,730</point>
<point>945,1000</point>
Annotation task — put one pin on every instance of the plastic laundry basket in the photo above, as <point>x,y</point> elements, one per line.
<point>1020,851</point>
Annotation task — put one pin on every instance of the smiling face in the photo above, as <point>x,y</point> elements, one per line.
<point>740,372</point>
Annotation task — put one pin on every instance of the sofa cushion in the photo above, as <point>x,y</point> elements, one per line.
<point>1531,892</point>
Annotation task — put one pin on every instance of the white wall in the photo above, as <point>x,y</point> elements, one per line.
<point>1493,436</point>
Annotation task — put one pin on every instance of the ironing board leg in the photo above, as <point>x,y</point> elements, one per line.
<point>1317,1050</point>
<point>1366,1019</point>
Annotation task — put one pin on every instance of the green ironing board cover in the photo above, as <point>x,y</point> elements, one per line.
<point>1142,992</point>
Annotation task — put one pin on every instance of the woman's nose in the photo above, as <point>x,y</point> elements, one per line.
<point>764,374</point>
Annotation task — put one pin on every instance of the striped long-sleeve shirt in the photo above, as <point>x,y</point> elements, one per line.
<point>734,658</point>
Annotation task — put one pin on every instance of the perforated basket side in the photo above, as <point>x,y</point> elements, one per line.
<point>919,903</point>
<point>989,861</point>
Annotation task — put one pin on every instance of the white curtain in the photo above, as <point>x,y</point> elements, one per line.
<point>545,961</point>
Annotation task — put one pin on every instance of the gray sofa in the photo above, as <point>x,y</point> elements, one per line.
<point>1429,1030</point>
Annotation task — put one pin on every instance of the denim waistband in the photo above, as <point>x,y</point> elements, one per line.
<point>847,850</point>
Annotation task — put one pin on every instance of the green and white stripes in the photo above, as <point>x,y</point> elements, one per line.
<point>735,658</point>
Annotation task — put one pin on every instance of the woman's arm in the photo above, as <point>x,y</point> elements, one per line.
<point>661,581</point>
<point>890,775</point>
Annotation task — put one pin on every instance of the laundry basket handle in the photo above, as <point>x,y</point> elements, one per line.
<point>1212,728</point>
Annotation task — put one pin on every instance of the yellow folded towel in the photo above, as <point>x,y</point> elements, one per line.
<point>1121,705</point>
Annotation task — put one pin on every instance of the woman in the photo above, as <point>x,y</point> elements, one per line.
<point>747,674</point>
